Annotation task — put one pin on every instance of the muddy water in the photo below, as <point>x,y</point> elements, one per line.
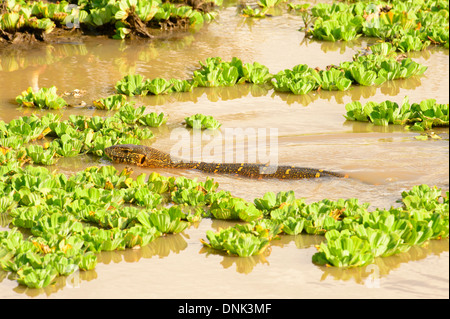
<point>309,131</point>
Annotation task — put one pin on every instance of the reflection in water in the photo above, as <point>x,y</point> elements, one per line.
<point>301,241</point>
<point>249,23</point>
<point>355,93</point>
<point>428,52</point>
<point>244,265</point>
<point>338,46</point>
<point>366,127</point>
<point>13,59</point>
<point>73,281</point>
<point>161,247</point>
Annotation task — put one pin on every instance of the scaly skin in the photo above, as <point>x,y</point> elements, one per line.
<point>149,157</point>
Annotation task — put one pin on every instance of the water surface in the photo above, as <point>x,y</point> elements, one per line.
<point>310,131</point>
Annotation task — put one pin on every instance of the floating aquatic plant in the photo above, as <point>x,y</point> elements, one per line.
<point>201,121</point>
<point>343,250</point>
<point>182,85</point>
<point>372,69</point>
<point>368,70</point>
<point>234,208</point>
<point>409,26</point>
<point>40,156</point>
<point>166,221</point>
<point>42,99</point>
<point>153,119</point>
<point>418,116</point>
<point>158,86</point>
<point>125,17</point>
<point>132,85</point>
<point>241,241</point>
<point>332,80</point>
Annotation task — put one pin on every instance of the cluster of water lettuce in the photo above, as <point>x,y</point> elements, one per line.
<point>408,25</point>
<point>212,73</point>
<point>366,70</point>
<point>418,116</point>
<point>355,236</point>
<point>376,68</point>
<point>201,121</point>
<point>123,17</point>
<point>77,135</point>
<point>71,218</point>
<point>13,60</point>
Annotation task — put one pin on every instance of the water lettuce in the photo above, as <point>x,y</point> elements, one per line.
<point>158,86</point>
<point>214,72</point>
<point>366,70</point>
<point>240,241</point>
<point>269,3</point>
<point>299,80</point>
<point>131,85</point>
<point>67,146</point>
<point>293,226</point>
<point>189,196</point>
<point>200,121</point>
<point>234,208</point>
<point>112,102</point>
<point>256,73</point>
<point>334,30</point>
<point>43,98</point>
<point>409,26</point>
<point>138,236</point>
<point>124,17</point>
<point>153,119</point>
<point>165,221</point>
<point>36,278</point>
<point>40,156</point>
<point>422,116</point>
<point>332,80</point>
<point>93,219</point>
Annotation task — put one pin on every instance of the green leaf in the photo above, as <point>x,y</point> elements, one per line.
<point>200,121</point>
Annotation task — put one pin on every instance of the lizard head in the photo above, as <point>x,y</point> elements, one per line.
<point>128,153</point>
